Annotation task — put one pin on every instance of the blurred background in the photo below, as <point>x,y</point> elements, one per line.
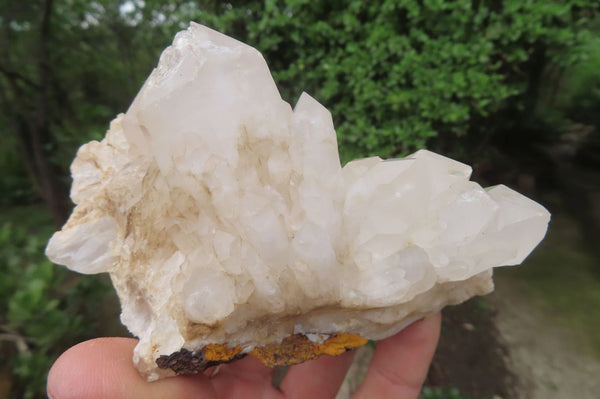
<point>511,87</point>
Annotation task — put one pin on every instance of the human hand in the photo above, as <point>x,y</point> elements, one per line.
<point>102,368</point>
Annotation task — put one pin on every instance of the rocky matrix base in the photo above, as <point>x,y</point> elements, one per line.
<point>229,227</point>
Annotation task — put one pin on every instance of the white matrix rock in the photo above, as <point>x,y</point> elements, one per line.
<point>224,216</point>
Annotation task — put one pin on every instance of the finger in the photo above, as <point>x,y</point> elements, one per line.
<point>252,379</point>
<point>102,368</point>
<point>400,363</point>
<point>320,378</point>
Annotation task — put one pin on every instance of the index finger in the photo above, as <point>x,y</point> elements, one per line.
<point>401,362</point>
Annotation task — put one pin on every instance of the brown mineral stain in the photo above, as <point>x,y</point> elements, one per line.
<point>292,350</point>
<point>298,348</point>
<point>220,352</point>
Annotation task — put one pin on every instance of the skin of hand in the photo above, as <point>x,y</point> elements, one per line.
<point>102,368</point>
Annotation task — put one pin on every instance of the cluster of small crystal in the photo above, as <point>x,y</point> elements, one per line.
<point>224,216</point>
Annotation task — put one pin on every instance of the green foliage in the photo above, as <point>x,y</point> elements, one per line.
<point>43,312</point>
<point>441,393</point>
<point>396,74</point>
<point>579,91</point>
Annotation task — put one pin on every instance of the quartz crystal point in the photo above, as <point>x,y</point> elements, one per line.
<point>229,227</point>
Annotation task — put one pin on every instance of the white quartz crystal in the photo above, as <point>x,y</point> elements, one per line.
<point>224,216</point>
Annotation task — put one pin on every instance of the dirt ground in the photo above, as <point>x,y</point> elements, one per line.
<point>470,356</point>
<point>551,360</point>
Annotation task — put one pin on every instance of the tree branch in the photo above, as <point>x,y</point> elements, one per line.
<point>17,76</point>
<point>14,337</point>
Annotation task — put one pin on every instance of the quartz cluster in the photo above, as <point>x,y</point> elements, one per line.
<point>228,225</point>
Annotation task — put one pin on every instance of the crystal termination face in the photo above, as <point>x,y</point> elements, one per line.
<point>229,227</point>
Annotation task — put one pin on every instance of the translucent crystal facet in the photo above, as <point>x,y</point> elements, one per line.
<point>224,217</point>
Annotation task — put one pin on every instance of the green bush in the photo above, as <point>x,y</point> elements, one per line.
<point>396,74</point>
<point>45,308</point>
